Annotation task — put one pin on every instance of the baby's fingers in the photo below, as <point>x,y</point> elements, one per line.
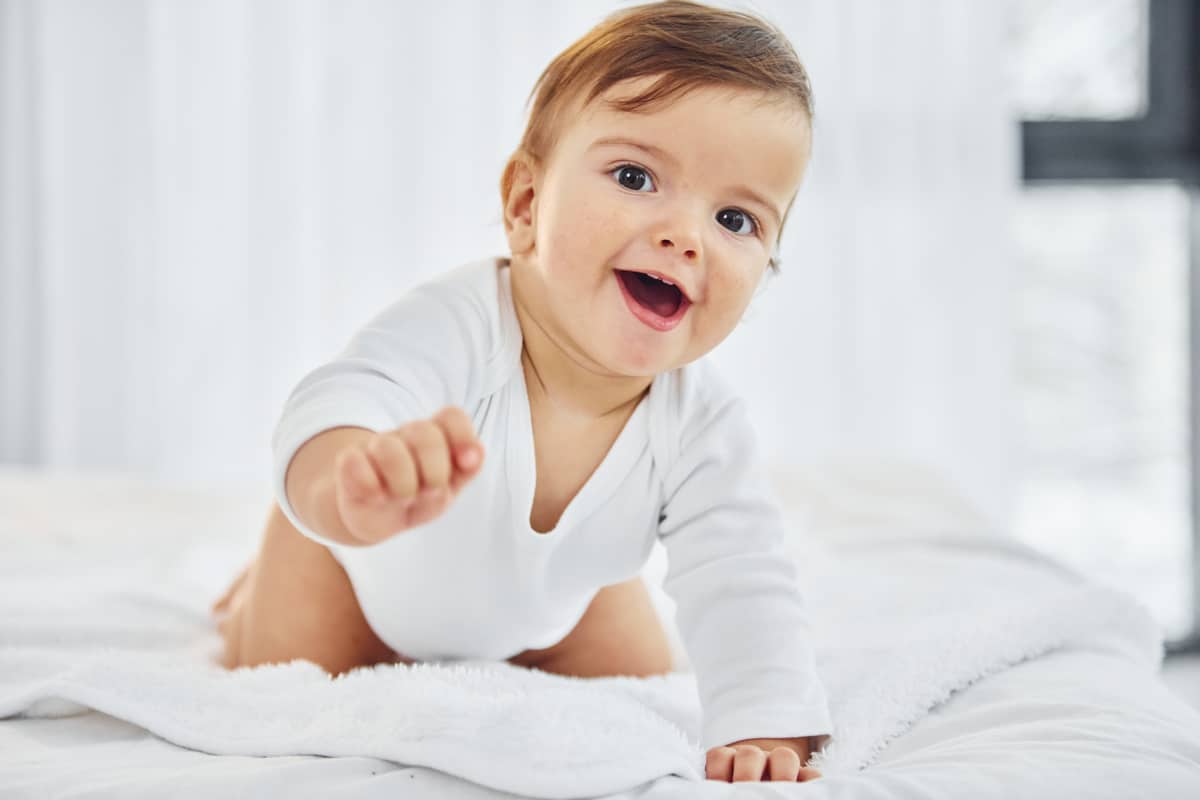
<point>375,520</point>
<point>395,464</point>
<point>739,763</point>
<point>427,444</point>
<point>380,519</point>
<point>356,477</point>
<point>464,444</point>
<point>749,763</point>
<point>719,764</point>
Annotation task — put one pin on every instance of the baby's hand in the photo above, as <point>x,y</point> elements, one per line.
<point>761,759</point>
<point>403,478</point>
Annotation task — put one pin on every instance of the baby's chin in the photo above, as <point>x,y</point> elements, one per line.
<point>639,356</point>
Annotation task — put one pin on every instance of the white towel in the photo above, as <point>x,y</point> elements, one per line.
<point>899,624</point>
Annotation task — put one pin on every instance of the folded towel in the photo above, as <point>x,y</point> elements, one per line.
<point>899,624</point>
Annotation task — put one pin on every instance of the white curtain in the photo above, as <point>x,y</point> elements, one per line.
<point>201,201</point>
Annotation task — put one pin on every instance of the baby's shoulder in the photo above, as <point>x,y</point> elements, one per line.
<point>698,392</point>
<point>475,299</point>
<point>697,402</point>
<point>476,288</point>
<point>470,300</point>
<point>456,327</point>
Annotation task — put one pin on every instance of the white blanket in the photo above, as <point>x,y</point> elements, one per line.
<point>900,623</point>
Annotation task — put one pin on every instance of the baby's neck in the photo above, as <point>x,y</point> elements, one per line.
<point>570,399</point>
<point>567,387</point>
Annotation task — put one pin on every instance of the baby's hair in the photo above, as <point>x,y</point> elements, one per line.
<point>687,44</point>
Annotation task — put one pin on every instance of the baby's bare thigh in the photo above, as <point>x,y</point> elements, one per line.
<point>296,601</point>
<point>619,634</point>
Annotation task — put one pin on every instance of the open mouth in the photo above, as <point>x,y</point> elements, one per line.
<point>660,305</point>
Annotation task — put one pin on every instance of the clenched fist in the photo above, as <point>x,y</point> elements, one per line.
<point>399,479</point>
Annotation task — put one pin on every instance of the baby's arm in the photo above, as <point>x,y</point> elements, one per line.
<point>368,430</point>
<point>739,608</point>
<point>356,487</point>
<point>309,481</point>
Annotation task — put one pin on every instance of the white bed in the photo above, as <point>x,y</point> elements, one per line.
<point>1088,720</point>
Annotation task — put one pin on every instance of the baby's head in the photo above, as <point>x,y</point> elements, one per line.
<point>670,140</point>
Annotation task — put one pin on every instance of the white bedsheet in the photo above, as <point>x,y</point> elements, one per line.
<point>1067,725</point>
<point>1093,722</point>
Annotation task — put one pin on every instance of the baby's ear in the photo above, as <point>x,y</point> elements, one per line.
<point>517,190</point>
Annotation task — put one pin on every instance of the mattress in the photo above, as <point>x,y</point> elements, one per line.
<point>1075,722</point>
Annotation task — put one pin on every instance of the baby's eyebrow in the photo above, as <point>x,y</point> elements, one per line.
<point>653,150</point>
<point>658,152</point>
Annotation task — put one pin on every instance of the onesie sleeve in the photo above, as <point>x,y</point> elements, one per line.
<point>418,355</point>
<point>738,605</point>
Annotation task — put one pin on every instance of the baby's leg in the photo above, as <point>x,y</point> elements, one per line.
<point>619,634</point>
<point>295,601</point>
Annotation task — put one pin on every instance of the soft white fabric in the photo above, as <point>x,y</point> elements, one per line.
<point>1074,723</point>
<point>479,583</point>
<point>118,623</point>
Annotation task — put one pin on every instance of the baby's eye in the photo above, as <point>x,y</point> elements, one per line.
<point>737,220</point>
<point>632,177</point>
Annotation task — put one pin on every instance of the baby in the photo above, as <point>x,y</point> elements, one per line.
<point>484,470</point>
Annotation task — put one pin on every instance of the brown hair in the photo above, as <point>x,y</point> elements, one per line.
<point>688,45</point>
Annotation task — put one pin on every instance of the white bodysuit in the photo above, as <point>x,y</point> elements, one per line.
<point>479,583</point>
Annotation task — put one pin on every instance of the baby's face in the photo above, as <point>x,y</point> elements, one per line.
<point>693,192</point>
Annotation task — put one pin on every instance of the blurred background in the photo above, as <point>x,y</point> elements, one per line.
<point>987,270</point>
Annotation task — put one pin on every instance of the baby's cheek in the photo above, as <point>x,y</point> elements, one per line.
<point>580,233</point>
<point>728,298</point>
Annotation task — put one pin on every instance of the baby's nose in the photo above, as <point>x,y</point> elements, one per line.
<point>688,251</point>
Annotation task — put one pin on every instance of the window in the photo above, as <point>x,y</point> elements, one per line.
<point>1109,95</point>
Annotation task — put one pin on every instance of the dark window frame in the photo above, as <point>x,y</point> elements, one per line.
<point>1163,144</point>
